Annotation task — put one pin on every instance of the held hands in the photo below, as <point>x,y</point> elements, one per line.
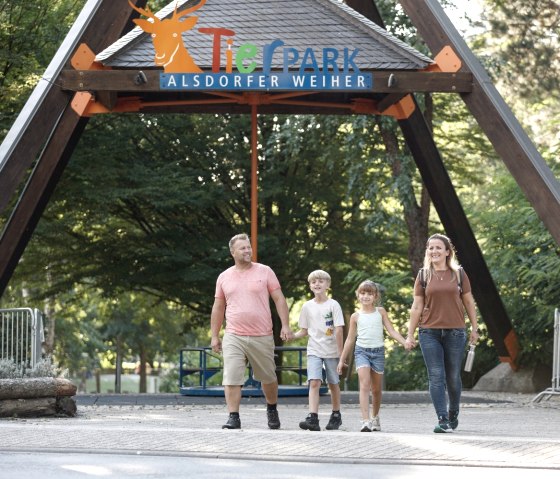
<point>409,344</point>
<point>341,368</point>
<point>286,334</point>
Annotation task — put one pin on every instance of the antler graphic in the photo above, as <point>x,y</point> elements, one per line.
<point>147,13</point>
<point>188,10</point>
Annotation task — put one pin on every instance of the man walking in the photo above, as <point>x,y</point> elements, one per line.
<point>242,298</point>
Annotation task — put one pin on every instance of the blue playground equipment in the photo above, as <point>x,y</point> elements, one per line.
<point>204,365</point>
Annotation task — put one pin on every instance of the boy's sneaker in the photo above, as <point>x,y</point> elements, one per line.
<point>335,421</point>
<point>375,424</point>
<point>443,425</point>
<point>273,419</point>
<point>233,422</point>
<point>311,423</point>
<point>366,426</point>
<point>454,419</point>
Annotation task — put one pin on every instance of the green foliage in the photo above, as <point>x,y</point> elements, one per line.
<point>525,264</point>
<point>520,51</point>
<point>405,370</point>
<point>30,33</point>
<point>43,369</point>
<point>169,380</point>
<point>528,33</point>
<point>10,369</point>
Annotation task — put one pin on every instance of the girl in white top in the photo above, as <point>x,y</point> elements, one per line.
<point>366,330</point>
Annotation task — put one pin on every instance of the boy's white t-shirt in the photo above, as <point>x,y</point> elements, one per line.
<point>321,321</point>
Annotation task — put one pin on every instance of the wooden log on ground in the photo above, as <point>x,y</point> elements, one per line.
<point>28,388</point>
<point>35,407</point>
<point>66,406</point>
<point>38,407</point>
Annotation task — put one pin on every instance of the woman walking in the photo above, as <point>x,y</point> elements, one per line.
<point>442,294</point>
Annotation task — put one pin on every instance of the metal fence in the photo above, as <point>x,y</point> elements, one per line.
<point>555,387</point>
<point>21,335</point>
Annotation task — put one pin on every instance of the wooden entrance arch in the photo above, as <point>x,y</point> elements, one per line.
<point>49,127</point>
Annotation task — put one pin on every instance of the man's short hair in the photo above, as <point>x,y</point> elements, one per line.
<point>319,274</point>
<point>241,236</point>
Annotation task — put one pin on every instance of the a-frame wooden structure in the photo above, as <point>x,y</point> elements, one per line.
<point>48,129</point>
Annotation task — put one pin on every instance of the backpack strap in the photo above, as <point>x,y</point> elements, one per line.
<point>460,272</point>
<point>422,275</point>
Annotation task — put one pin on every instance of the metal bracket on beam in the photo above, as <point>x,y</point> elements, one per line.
<point>84,59</point>
<point>401,110</point>
<point>446,61</point>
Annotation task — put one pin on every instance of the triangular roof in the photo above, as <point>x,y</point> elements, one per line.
<point>299,23</point>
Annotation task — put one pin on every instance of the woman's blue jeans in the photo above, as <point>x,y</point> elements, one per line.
<point>443,351</point>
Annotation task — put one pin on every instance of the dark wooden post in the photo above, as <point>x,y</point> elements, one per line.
<point>50,125</point>
<point>430,164</point>
<point>494,116</point>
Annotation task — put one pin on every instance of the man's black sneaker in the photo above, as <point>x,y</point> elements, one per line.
<point>454,419</point>
<point>233,422</point>
<point>335,421</point>
<point>273,419</point>
<point>443,425</point>
<point>311,423</point>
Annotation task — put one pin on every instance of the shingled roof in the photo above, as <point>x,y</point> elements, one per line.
<point>299,23</point>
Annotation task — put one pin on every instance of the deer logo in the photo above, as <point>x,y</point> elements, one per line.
<point>171,52</point>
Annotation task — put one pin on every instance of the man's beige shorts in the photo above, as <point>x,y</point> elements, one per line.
<point>258,350</point>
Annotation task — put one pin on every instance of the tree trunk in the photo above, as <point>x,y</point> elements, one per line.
<point>50,321</point>
<point>416,213</point>
<point>118,367</point>
<point>143,378</point>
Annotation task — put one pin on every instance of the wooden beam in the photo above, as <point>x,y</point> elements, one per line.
<point>38,190</point>
<point>389,100</point>
<point>56,128</point>
<point>494,116</point>
<point>401,81</point>
<point>367,8</point>
<point>420,141</point>
<point>36,121</point>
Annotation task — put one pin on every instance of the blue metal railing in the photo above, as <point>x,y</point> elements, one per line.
<point>203,363</point>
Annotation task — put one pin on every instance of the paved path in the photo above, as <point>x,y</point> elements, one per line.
<point>496,430</point>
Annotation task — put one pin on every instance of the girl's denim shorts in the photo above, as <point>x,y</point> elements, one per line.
<point>373,358</point>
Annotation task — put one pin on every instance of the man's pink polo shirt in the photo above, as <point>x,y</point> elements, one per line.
<point>247,299</point>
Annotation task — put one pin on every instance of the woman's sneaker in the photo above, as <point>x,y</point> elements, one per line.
<point>375,423</point>
<point>454,419</point>
<point>366,426</point>
<point>335,421</point>
<point>443,425</point>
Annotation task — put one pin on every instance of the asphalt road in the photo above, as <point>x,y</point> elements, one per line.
<point>75,466</point>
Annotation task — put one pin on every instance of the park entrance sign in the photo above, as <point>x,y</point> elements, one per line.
<point>338,69</point>
<point>304,81</point>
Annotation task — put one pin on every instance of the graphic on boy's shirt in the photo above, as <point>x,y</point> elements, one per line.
<point>329,323</point>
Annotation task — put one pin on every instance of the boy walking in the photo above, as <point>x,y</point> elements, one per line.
<point>322,320</point>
